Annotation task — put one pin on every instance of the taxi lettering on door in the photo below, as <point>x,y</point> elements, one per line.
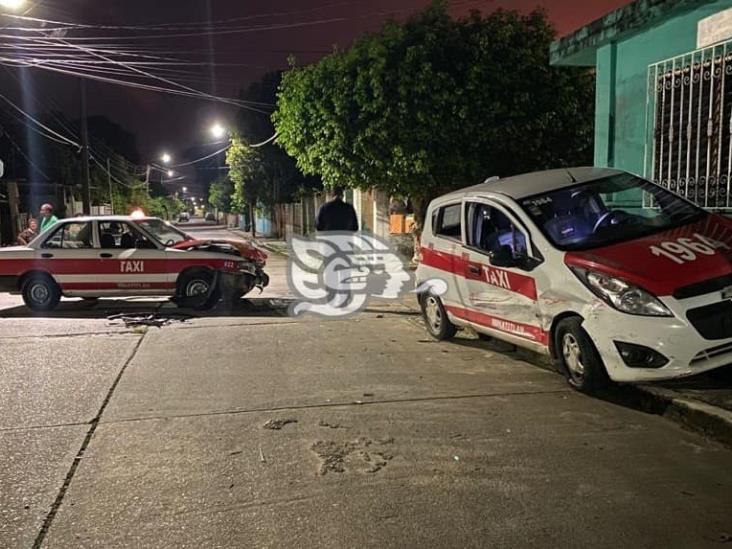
<point>128,267</point>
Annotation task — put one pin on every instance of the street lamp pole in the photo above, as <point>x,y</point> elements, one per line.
<point>85,192</point>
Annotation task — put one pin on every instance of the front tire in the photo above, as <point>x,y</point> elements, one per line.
<point>581,363</point>
<point>41,293</point>
<point>198,290</point>
<point>435,318</point>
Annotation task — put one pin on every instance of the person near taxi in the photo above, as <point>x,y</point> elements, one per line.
<point>336,214</point>
<point>48,220</point>
<point>30,232</point>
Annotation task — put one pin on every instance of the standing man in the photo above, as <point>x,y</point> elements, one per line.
<point>48,220</point>
<point>336,215</point>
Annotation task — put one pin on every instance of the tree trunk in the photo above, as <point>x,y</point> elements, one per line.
<point>253,220</point>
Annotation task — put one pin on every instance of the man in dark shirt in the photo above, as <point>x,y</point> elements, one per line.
<point>336,215</point>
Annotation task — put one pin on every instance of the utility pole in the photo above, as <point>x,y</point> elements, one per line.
<point>85,194</point>
<point>109,181</point>
<point>147,178</point>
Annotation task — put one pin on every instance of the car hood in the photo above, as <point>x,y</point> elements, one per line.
<point>666,261</point>
<point>11,249</point>
<point>247,250</point>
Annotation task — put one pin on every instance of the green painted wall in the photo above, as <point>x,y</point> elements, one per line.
<point>620,132</point>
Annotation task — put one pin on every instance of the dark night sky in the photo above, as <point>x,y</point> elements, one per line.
<point>173,123</point>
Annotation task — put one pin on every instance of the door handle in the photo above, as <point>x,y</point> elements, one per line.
<point>106,255</point>
<point>46,256</point>
<point>474,270</point>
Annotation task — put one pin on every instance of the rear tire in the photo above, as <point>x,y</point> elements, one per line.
<point>435,318</point>
<point>41,293</point>
<point>580,362</point>
<point>197,289</point>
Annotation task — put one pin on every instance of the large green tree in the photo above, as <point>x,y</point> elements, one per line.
<point>246,172</point>
<point>436,103</point>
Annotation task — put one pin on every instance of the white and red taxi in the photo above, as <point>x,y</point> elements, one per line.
<point>92,257</point>
<point>610,274</point>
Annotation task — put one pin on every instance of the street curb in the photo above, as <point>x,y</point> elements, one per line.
<point>710,421</point>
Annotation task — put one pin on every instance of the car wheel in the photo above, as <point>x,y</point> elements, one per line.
<point>435,318</point>
<point>578,357</point>
<point>198,290</point>
<point>41,293</point>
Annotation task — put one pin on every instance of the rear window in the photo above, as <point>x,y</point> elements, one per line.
<point>446,221</point>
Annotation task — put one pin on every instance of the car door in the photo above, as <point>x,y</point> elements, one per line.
<point>440,256</point>
<point>499,283</point>
<point>70,256</point>
<point>131,263</point>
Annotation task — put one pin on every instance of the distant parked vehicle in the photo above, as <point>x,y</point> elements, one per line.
<point>210,217</point>
<point>184,217</point>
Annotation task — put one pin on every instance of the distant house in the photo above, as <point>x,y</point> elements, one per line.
<point>664,93</point>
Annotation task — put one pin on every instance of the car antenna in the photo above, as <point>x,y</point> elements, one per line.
<point>574,180</point>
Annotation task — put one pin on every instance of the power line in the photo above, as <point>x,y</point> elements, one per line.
<point>21,111</point>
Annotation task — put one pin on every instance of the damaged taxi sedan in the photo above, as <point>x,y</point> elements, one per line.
<point>612,275</point>
<point>117,256</point>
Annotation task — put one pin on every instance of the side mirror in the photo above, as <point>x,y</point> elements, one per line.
<point>504,257</point>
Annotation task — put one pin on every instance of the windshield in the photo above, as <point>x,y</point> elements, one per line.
<point>164,232</point>
<point>606,211</point>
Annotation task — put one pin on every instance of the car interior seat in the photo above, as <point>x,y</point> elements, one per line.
<point>107,241</point>
<point>568,224</point>
<point>127,241</point>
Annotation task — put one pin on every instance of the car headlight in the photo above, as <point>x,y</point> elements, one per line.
<point>622,295</point>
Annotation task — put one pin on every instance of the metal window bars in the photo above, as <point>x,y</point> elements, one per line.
<point>689,125</point>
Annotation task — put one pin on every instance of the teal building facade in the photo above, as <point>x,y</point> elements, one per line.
<point>664,93</point>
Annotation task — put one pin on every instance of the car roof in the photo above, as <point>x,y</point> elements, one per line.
<point>529,184</point>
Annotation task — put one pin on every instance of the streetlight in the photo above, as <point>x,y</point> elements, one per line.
<point>12,5</point>
<point>218,131</point>
<point>171,173</point>
<point>185,189</point>
<point>166,158</point>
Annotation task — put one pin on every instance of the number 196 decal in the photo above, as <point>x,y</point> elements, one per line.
<point>683,250</point>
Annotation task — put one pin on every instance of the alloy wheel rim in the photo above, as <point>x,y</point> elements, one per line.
<point>433,313</point>
<point>573,356</point>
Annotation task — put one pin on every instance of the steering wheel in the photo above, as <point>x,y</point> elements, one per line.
<point>612,217</point>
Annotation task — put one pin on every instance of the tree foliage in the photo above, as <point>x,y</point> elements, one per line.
<point>279,169</point>
<point>245,171</point>
<point>436,103</point>
<point>220,194</point>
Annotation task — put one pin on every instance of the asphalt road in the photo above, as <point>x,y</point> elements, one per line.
<point>112,436</point>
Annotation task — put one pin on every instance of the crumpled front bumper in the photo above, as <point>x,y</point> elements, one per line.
<point>243,281</point>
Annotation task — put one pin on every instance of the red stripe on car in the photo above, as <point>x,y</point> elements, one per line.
<point>525,331</point>
<point>460,265</point>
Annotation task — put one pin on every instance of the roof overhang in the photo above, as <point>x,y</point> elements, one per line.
<point>580,47</point>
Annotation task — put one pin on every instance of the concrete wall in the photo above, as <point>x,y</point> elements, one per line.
<point>622,84</point>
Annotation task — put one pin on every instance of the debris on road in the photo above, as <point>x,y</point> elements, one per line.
<point>261,456</point>
<point>134,320</point>
<point>277,424</point>
<point>322,423</point>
